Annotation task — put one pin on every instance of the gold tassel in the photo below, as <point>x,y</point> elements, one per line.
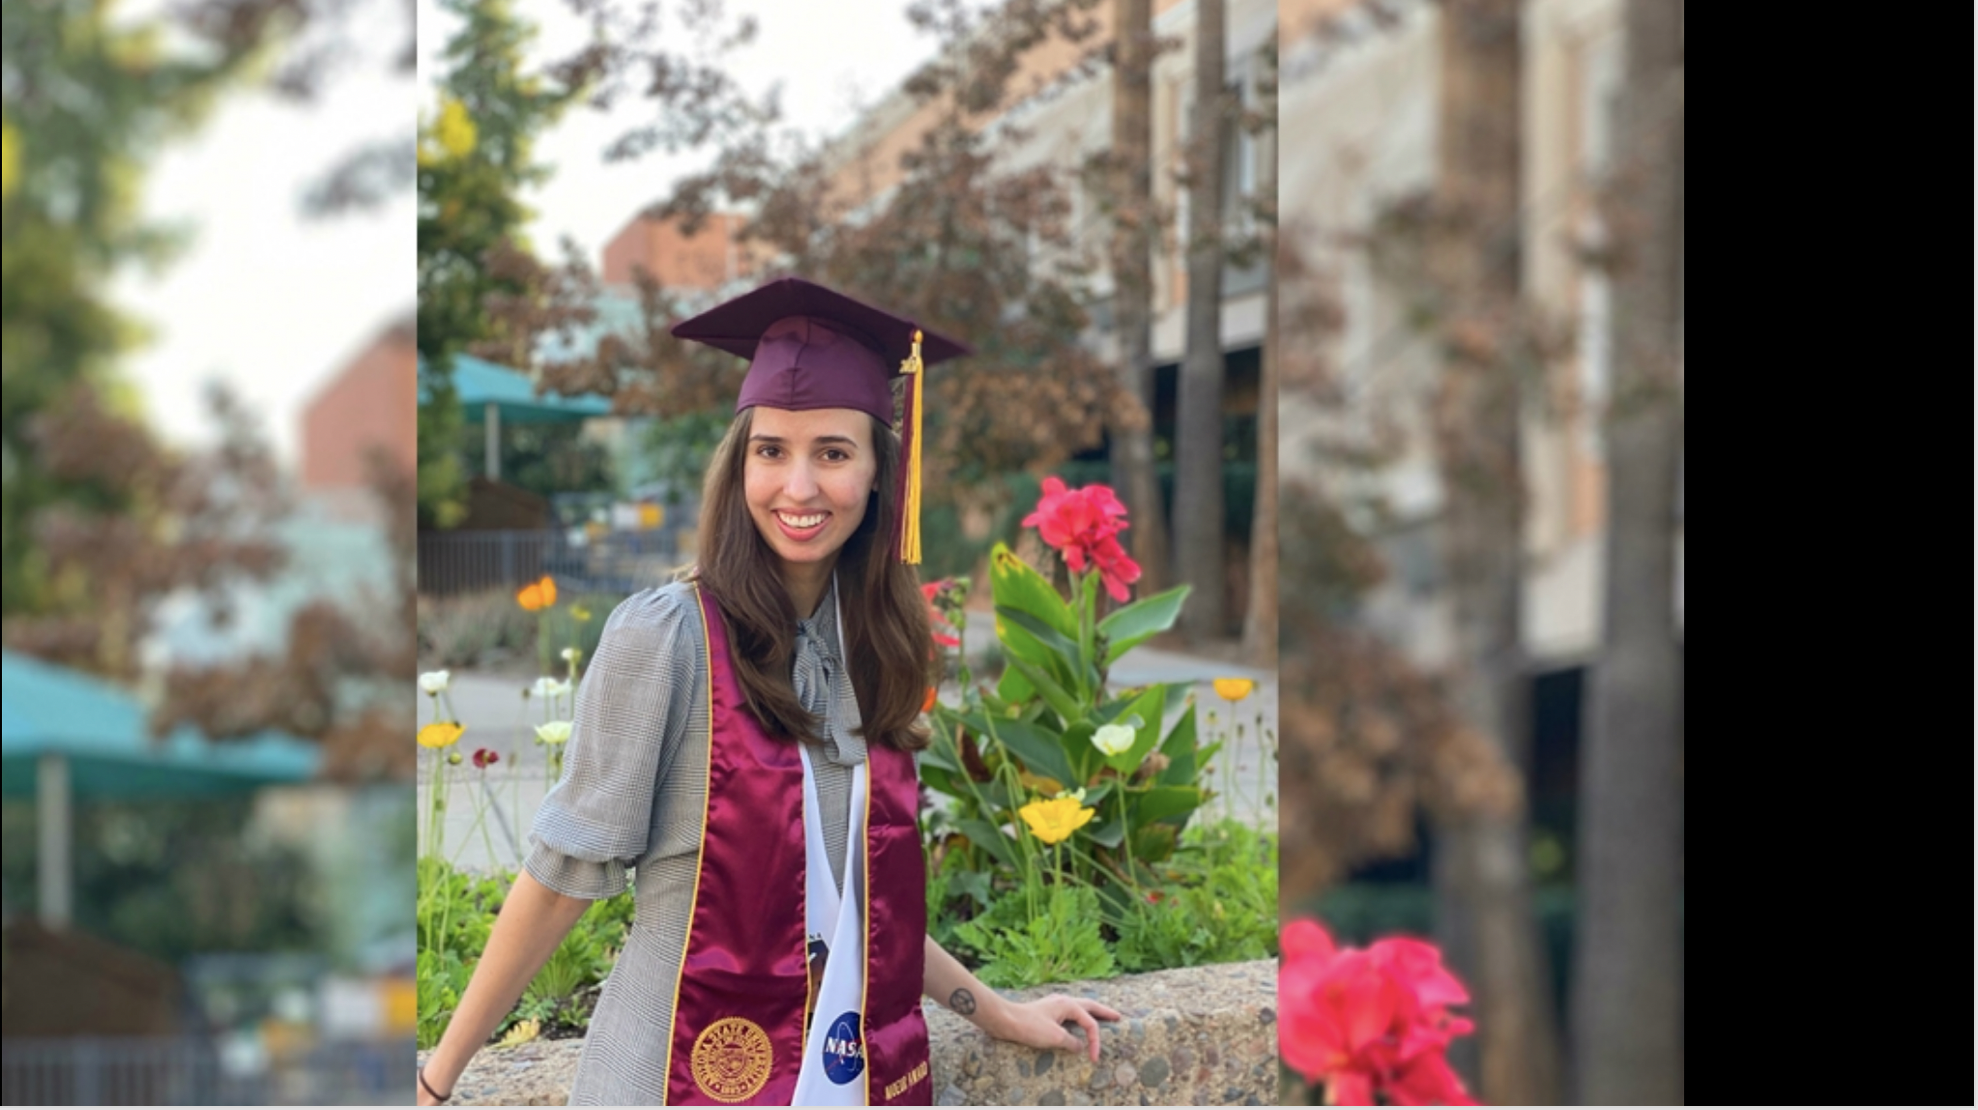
<point>910,512</point>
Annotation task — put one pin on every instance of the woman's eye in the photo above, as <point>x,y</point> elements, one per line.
<point>835,455</point>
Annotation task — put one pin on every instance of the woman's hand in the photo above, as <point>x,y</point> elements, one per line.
<point>1041,1024</point>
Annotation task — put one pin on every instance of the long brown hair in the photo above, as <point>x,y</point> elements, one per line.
<point>888,644</point>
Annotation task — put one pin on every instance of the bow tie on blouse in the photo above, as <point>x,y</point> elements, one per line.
<point>825,690</point>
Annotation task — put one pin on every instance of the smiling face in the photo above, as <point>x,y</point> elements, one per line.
<point>809,479</point>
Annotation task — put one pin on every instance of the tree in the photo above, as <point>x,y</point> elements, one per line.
<point>474,158</point>
<point>1482,861</point>
<point>87,99</point>
<point>1198,480</point>
<point>1627,988</point>
<point>1133,240</point>
<point>953,244</point>
<point>1260,621</point>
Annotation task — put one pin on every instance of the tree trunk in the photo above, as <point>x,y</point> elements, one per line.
<point>1260,620</point>
<point>1133,284</point>
<point>1482,873</point>
<point>1198,472</point>
<point>1627,992</point>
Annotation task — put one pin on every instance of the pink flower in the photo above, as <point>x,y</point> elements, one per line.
<point>1081,524</point>
<point>1116,568</point>
<point>1370,1023</point>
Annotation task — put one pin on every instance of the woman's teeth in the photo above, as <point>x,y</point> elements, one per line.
<point>810,521</point>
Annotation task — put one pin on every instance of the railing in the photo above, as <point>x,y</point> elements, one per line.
<point>616,562</point>
<point>195,1071</point>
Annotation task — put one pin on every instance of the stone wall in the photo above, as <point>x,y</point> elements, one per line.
<point>1204,1036</point>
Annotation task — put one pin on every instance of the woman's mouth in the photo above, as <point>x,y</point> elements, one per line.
<point>801,526</point>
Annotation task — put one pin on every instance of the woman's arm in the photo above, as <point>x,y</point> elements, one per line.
<point>532,922</point>
<point>1039,1024</point>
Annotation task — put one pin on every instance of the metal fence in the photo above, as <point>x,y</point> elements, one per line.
<point>195,1071</point>
<point>615,562</point>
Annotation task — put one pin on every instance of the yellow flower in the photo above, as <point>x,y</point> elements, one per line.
<point>522,1032</point>
<point>10,160</point>
<point>580,614</point>
<point>441,734</point>
<point>455,129</point>
<point>1234,689</point>
<point>1056,819</point>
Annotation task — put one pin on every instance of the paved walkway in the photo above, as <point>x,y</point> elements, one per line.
<point>488,813</point>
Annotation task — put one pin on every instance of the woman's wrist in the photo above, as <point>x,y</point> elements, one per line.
<point>983,1007</point>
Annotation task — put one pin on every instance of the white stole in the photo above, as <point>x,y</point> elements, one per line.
<point>833,1071</point>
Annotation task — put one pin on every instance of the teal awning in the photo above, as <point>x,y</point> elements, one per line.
<point>480,383</point>
<point>101,733</point>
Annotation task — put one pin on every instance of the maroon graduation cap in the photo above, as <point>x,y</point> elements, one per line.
<point>812,348</point>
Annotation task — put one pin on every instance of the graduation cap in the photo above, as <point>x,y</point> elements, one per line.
<point>812,348</point>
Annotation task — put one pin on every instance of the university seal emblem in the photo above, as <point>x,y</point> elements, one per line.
<point>731,1060</point>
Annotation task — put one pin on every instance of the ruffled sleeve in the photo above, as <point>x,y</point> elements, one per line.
<point>634,709</point>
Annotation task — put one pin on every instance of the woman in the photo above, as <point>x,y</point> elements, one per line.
<point>744,741</point>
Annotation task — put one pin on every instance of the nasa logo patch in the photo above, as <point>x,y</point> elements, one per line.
<point>844,1049</point>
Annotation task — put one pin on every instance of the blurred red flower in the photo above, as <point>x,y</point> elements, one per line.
<point>484,759</point>
<point>944,633</point>
<point>1371,1023</point>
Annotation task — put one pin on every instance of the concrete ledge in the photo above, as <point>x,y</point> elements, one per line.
<point>1204,1036</point>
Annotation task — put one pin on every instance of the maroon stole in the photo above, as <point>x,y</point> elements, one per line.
<point>738,1008</point>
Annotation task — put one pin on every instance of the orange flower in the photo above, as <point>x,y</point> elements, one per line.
<point>537,595</point>
<point>1234,689</point>
<point>928,704</point>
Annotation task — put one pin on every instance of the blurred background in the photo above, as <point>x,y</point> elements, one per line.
<point>206,583</point>
<point>1480,265</point>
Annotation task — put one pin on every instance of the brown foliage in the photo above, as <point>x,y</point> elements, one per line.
<point>203,523</point>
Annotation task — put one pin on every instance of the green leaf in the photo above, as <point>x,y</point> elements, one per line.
<point>1013,688</point>
<point>1057,697</point>
<point>1144,713</point>
<point>1043,646</point>
<point>1164,803</point>
<point>1179,747</point>
<point>1012,582</point>
<point>1108,835</point>
<point>1039,750</point>
<point>1141,621</point>
<point>988,837</point>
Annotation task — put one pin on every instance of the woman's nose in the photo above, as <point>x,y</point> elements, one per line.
<point>801,485</point>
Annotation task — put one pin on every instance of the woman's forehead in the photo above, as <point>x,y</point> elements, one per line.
<point>810,424</point>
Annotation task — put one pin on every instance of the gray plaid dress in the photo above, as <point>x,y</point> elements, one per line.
<point>631,798</point>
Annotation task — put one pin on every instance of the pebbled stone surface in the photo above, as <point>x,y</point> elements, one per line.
<point>1204,1036</point>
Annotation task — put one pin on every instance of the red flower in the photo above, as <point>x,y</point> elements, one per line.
<point>484,759</point>
<point>1078,523</point>
<point>935,619</point>
<point>1116,568</point>
<point>1370,1022</point>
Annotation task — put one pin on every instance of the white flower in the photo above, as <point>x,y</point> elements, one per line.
<point>571,655</point>
<point>435,682</point>
<point>555,732</point>
<point>547,687</point>
<point>1113,739</point>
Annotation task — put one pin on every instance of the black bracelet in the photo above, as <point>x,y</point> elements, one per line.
<point>428,1087</point>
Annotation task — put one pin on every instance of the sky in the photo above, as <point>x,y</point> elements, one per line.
<point>274,303</point>
<point>264,298</point>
